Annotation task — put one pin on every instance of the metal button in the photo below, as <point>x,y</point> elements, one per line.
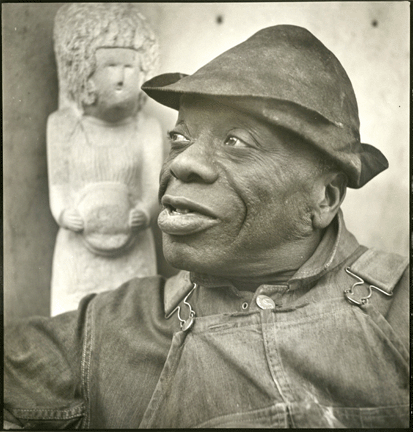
<point>265,302</point>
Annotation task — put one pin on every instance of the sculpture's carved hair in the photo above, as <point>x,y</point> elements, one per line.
<point>81,28</point>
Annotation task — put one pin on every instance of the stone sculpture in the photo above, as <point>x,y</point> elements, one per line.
<point>104,153</point>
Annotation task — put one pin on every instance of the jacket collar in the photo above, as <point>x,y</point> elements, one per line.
<point>336,245</point>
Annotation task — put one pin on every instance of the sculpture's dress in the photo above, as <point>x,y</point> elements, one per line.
<point>105,173</point>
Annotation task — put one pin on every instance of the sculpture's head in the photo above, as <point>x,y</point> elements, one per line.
<point>266,141</point>
<point>104,52</point>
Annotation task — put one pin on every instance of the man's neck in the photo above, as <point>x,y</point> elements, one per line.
<point>281,265</point>
<point>275,268</point>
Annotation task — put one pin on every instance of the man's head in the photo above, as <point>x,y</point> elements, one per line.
<point>83,29</point>
<point>240,195</point>
<point>266,140</point>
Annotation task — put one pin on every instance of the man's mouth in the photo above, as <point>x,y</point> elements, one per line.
<point>182,216</point>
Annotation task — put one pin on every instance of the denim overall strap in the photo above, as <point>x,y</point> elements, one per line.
<point>375,274</point>
<point>380,268</point>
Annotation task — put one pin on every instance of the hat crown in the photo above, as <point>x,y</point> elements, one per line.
<point>284,62</point>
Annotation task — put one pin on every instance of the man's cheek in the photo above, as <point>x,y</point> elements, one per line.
<point>255,188</point>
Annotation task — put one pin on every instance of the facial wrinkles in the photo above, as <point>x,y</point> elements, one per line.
<point>214,137</point>
<point>290,194</point>
<point>267,162</point>
<point>207,138</point>
<point>257,200</point>
<point>270,160</point>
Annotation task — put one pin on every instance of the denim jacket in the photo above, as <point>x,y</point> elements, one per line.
<point>328,348</point>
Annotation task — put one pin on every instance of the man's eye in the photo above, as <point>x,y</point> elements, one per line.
<point>175,137</point>
<point>235,142</point>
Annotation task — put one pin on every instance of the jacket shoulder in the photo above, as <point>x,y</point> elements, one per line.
<point>135,297</point>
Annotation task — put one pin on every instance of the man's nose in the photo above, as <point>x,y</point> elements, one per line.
<point>195,164</point>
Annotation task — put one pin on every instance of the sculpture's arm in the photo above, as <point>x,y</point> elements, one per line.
<point>60,126</point>
<point>152,154</point>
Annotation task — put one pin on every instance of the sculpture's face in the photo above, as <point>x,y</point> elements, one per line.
<point>117,81</point>
<point>236,194</point>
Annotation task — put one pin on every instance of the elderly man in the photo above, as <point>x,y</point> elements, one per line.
<point>279,317</point>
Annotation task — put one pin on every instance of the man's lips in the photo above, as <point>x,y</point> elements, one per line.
<point>182,216</point>
<point>182,203</point>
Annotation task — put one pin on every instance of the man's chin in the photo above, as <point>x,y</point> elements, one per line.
<point>186,256</point>
<point>177,254</point>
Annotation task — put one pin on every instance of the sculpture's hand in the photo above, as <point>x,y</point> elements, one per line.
<point>138,219</point>
<point>71,219</point>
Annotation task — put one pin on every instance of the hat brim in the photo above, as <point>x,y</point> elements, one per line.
<point>161,89</point>
<point>360,165</point>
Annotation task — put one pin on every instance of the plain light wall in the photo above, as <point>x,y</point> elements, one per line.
<point>370,39</point>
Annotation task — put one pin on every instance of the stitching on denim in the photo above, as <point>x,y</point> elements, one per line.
<point>341,306</point>
<point>334,305</point>
<point>64,412</point>
<point>272,325</point>
<point>86,359</point>
<point>378,326</point>
<point>160,393</point>
<point>266,341</point>
<point>242,414</point>
<point>46,417</point>
<point>364,414</point>
<point>49,414</point>
<point>92,340</point>
<point>224,330</point>
<point>376,411</point>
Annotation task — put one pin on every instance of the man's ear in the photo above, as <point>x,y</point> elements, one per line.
<point>330,191</point>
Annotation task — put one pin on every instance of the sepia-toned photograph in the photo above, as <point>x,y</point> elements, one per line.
<point>206,215</point>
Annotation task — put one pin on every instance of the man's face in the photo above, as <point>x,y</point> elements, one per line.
<point>117,78</point>
<point>236,192</point>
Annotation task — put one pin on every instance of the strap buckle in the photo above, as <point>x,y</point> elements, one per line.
<point>348,293</point>
<point>185,324</point>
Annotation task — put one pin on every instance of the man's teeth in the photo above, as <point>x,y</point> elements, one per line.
<point>180,211</point>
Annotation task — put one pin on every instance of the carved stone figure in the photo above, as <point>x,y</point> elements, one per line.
<point>104,153</point>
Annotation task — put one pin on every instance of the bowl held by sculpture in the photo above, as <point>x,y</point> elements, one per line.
<point>105,209</point>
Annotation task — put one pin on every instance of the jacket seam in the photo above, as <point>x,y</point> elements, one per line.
<point>86,360</point>
<point>397,343</point>
<point>230,416</point>
<point>47,413</point>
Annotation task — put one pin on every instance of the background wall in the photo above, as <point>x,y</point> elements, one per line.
<point>370,39</point>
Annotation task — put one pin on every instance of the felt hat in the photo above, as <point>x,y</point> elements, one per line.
<point>286,77</point>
